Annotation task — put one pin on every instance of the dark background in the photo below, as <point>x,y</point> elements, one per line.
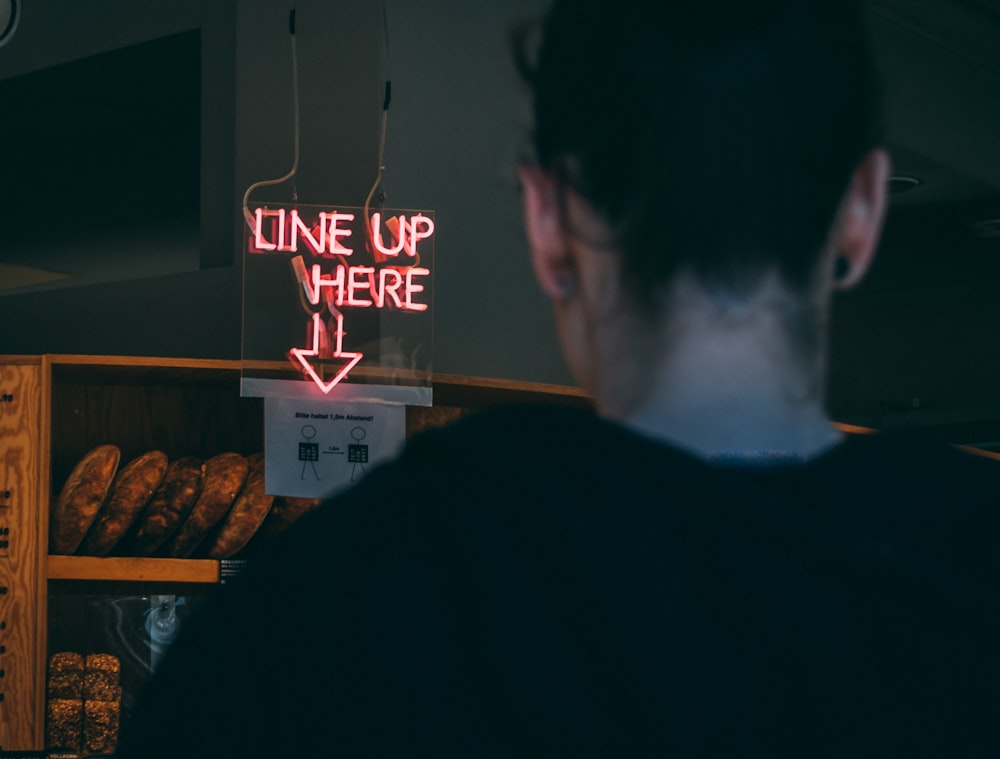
<point>131,130</point>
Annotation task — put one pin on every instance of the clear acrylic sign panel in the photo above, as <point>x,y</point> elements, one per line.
<point>338,306</point>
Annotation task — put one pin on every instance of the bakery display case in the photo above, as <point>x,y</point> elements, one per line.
<point>88,601</point>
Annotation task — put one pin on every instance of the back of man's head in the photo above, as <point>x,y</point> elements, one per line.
<point>712,137</point>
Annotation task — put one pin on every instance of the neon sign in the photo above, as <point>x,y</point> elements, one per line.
<point>341,262</point>
<point>323,238</point>
<point>304,356</point>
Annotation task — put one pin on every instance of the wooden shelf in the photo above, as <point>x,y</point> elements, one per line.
<point>453,389</point>
<point>132,569</point>
<point>57,407</point>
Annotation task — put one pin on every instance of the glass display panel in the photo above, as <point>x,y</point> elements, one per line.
<point>338,304</point>
<point>104,641</point>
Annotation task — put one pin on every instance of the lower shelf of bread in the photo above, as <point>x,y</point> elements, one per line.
<point>132,569</point>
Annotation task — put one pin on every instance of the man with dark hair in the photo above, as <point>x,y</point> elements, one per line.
<point>706,566</point>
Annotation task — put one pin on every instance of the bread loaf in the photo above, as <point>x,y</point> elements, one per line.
<point>101,720</point>
<point>170,504</point>
<point>81,498</point>
<point>64,724</point>
<point>102,678</point>
<point>247,514</point>
<point>130,492</point>
<point>65,677</point>
<point>88,721</point>
<point>285,511</point>
<point>223,477</point>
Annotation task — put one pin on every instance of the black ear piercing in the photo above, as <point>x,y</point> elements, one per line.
<point>841,269</point>
<point>565,286</point>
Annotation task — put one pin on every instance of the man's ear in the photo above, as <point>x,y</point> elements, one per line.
<point>859,222</point>
<point>551,257</point>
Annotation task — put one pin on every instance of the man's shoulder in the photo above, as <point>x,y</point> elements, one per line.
<point>922,457</point>
<point>516,419</point>
<point>460,467</point>
<point>890,472</point>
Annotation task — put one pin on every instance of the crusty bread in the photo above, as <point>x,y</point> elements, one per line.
<point>65,676</point>
<point>285,511</point>
<point>100,726</point>
<point>102,678</point>
<point>81,498</point>
<point>103,663</point>
<point>170,504</point>
<point>247,514</point>
<point>223,477</point>
<point>64,724</point>
<point>88,721</point>
<point>130,492</point>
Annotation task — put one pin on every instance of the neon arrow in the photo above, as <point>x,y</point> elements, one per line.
<point>304,355</point>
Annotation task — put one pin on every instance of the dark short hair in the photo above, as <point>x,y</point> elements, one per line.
<point>712,137</point>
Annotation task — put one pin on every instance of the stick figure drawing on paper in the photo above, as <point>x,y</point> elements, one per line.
<point>357,454</point>
<point>309,451</point>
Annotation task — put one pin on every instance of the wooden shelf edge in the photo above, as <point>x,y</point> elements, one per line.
<point>131,569</point>
<point>854,429</point>
<point>73,359</point>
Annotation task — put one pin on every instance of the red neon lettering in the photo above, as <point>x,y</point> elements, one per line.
<point>323,238</point>
<point>336,282</point>
<point>334,297</point>
<point>300,229</point>
<point>319,281</point>
<point>412,288</point>
<point>336,232</point>
<point>342,286</point>
<point>398,233</point>
<point>378,285</point>
<point>390,289</point>
<point>416,234</point>
<point>368,272</point>
<point>336,328</point>
<point>302,355</point>
<point>258,236</point>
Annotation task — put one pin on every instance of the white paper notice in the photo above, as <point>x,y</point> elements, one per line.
<point>313,450</point>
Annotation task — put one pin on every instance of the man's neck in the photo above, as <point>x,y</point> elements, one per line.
<point>726,381</point>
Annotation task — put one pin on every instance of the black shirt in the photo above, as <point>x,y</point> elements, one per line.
<point>540,582</point>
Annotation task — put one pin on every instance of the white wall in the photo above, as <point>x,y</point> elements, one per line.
<point>457,125</point>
